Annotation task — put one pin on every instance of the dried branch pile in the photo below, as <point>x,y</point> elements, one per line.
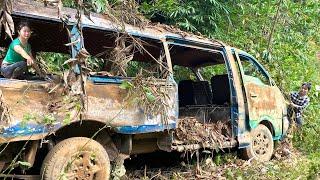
<point>150,95</point>
<point>40,67</point>
<point>191,131</point>
<point>5,17</point>
<point>126,12</point>
<point>73,101</point>
<point>285,148</point>
<point>74,97</point>
<point>123,53</point>
<point>210,168</point>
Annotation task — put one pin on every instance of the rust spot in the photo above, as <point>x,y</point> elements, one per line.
<point>260,97</point>
<point>111,91</point>
<point>23,99</point>
<point>265,101</point>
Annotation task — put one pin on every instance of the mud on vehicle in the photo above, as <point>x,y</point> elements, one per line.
<point>200,93</point>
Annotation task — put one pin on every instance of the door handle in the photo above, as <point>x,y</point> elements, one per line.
<point>253,95</point>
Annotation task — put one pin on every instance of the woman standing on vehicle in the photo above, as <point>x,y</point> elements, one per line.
<point>19,55</point>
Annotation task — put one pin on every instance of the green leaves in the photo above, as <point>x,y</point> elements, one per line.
<point>48,119</point>
<point>98,6</point>
<point>27,118</point>
<point>150,96</point>
<point>147,90</point>
<point>67,119</point>
<point>24,164</point>
<point>192,15</point>
<point>126,85</point>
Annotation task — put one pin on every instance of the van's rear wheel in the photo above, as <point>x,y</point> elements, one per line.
<point>261,146</point>
<point>76,158</point>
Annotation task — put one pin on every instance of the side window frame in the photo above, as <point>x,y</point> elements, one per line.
<point>258,67</point>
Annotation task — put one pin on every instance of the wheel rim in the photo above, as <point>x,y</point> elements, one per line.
<point>261,144</point>
<point>84,166</point>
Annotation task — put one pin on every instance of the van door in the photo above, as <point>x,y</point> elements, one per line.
<point>262,97</point>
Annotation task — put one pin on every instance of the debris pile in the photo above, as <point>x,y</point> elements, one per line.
<point>227,166</point>
<point>285,149</point>
<point>6,21</point>
<point>40,67</point>
<point>122,54</point>
<point>209,169</point>
<point>74,100</point>
<point>149,94</point>
<point>127,12</point>
<point>192,131</point>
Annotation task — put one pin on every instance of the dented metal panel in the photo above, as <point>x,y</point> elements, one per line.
<point>24,98</point>
<point>106,103</point>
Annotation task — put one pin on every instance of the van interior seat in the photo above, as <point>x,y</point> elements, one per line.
<point>185,93</point>
<point>194,93</point>
<point>202,93</point>
<point>220,89</point>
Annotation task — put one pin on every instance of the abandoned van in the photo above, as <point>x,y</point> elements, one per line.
<point>161,89</point>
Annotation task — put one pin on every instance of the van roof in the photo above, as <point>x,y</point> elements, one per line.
<point>46,19</point>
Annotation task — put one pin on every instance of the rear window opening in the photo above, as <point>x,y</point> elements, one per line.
<point>124,56</point>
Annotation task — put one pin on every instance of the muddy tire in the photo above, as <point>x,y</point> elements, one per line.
<point>261,146</point>
<point>76,158</point>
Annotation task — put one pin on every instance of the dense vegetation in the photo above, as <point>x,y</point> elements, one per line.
<point>284,35</point>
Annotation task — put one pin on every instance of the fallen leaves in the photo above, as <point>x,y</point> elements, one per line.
<point>121,55</point>
<point>127,12</point>
<point>149,95</point>
<point>5,17</point>
<point>191,131</point>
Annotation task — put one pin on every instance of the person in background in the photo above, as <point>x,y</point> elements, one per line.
<point>19,54</point>
<point>299,101</point>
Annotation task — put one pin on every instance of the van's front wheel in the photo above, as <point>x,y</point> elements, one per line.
<point>261,146</point>
<point>76,158</point>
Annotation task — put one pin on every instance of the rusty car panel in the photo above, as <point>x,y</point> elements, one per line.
<point>106,103</point>
<point>264,104</point>
<point>264,100</point>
